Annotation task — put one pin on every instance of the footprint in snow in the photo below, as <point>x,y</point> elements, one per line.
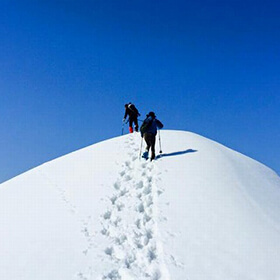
<point>127,163</point>
<point>140,241</point>
<point>105,232</point>
<point>109,251</point>
<point>146,218</point>
<point>152,254</point>
<point>112,275</point>
<point>149,179</point>
<point>123,192</point>
<point>138,223</point>
<point>149,201</point>
<point>140,185</point>
<point>115,222</point>
<point>129,259</point>
<point>156,275</point>
<point>140,208</point>
<point>113,199</point>
<point>138,244</point>
<point>117,185</point>
<point>121,239</point>
<point>127,178</point>
<point>145,241</point>
<point>107,215</point>
<point>147,190</point>
<point>149,234</point>
<point>120,206</point>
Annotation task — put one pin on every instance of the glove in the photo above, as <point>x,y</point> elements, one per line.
<point>123,120</point>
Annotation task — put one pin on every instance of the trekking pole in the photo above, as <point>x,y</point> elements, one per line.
<point>122,127</point>
<point>160,151</point>
<point>140,148</point>
<point>124,122</point>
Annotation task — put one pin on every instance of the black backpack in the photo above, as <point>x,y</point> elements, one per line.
<point>159,124</point>
<point>145,125</point>
<point>133,109</point>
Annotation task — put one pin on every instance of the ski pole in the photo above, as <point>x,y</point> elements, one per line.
<point>122,128</point>
<point>160,151</point>
<point>124,122</point>
<point>140,148</point>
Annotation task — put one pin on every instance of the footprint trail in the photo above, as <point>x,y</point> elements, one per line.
<point>130,221</point>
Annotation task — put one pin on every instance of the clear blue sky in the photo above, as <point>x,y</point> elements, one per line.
<point>68,67</point>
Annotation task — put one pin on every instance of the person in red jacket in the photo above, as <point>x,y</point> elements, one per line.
<point>132,113</point>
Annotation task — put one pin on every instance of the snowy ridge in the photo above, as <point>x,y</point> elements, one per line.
<point>200,211</point>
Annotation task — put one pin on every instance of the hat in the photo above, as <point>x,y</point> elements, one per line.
<point>152,114</point>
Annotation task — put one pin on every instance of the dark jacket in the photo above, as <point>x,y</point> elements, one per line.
<point>150,125</point>
<point>131,111</point>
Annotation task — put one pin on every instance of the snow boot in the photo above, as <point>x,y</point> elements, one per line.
<point>130,129</point>
<point>145,155</point>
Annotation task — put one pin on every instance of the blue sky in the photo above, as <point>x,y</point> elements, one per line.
<point>68,67</point>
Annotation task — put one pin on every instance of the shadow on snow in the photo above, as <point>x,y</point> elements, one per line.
<point>177,153</point>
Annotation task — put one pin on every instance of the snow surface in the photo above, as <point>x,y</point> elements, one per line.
<point>200,212</point>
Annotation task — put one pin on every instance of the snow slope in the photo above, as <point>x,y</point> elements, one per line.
<point>200,212</point>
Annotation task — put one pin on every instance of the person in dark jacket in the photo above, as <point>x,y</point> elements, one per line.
<point>149,131</point>
<point>132,113</point>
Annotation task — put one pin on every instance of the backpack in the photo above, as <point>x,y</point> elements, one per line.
<point>159,124</point>
<point>145,125</point>
<point>133,109</point>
